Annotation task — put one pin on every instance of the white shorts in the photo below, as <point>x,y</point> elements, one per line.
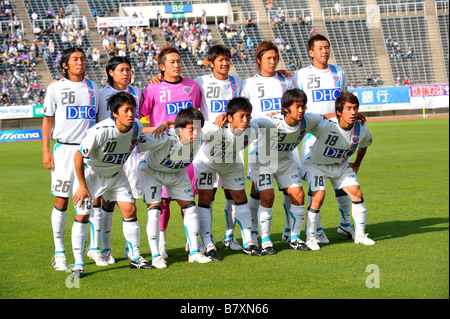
<point>112,189</point>
<point>63,175</point>
<point>286,174</point>
<point>130,169</point>
<point>340,175</point>
<point>178,185</point>
<point>232,176</point>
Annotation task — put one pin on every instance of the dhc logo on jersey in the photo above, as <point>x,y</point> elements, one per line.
<point>219,106</point>
<point>325,95</point>
<point>174,165</point>
<point>80,112</point>
<point>271,104</point>
<point>117,159</point>
<point>337,153</point>
<point>174,108</point>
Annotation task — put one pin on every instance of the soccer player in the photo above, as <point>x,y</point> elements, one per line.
<point>337,140</point>
<point>70,109</point>
<point>103,152</point>
<point>217,89</point>
<point>322,83</point>
<point>264,90</point>
<point>161,103</point>
<point>118,71</point>
<point>220,155</point>
<point>165,164</point>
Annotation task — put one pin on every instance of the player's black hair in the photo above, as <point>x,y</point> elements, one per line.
<point>65,56</point>
<point>343,98</point>
<point>290,97</point>
<point>188,116</point>
<point>115,101</point>
<point>112,65</point>
<point>238,104</point>
<point>314,38</point>
<point>216,50</point>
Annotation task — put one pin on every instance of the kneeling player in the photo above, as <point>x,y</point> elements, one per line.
<point>165,164</point>
<point>104,151</point>
<point>337,140</point>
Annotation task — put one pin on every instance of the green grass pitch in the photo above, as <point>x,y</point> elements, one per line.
<point>404,178</point>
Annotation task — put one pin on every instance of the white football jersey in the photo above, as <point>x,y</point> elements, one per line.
<point>265,93</point>
<point>167,154</point>
<point>335,145</point>
<point>74,107</point>
<point>106,149</point>
<point>104,93</point>
<point>222,146</point>
<point>322,87</point>
<point>217,93</point>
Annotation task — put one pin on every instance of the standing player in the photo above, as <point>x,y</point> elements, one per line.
<point>322,83</point>
<point>103,152</point>
<point>337,140</point>
<point>165,163</point>
<point>118,71</point>
<point>70,109</point>
<point>161,103</point>
<point>264,90</point>
<point>217,89</point>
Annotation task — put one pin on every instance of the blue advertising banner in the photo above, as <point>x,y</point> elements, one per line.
<point>18,136</point>
<point>383,98</point>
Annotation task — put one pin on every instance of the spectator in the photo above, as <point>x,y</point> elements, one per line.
<point>399,53</point>
<point>249,43</point>
<point>397,82</point>
<point>337,7</point>
<point>407,81</point>
<point>354,58</point>
<point>389,41</point>
<point>409,53</point>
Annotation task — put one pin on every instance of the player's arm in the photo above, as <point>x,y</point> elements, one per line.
<point>159,131</point>
<point>360,153</point>
<point>221,119</point>
<point>47,157</point>
<point>82,191</point>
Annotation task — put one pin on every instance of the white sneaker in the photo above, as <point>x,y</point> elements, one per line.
<point>313,244</point>
<point>198,257</point>
<point>159,262</point>
<point>231,243</point>
<point>364,240</point>
<point>59,262</point>
<point>109,257</point>
<point>347,231</point>
<point>188,248</point>
<point>97,256</point>
<point>321,237</point>
<point>163,244</point>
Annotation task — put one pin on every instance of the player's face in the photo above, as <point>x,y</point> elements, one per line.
<point>240,120</point>
<point>121,74</point>
<point>171,67</point>
<point>189,133</point>
<point>348,115</point>
<point>269,63</point>
<point>320,53</point>
<point>76,66</point>
<point>125,117</point>
<point>221,66</point>
<point>296,112</point>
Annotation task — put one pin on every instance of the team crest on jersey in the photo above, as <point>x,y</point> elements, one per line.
<point>355,139</point>
<point>302,132</point>
<point>187,89</point>
<point>91,92</point>
<point>134,141</point>
<point>336,78</point>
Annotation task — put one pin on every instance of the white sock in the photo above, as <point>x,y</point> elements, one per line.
<point>287,202</point>
<point>95,223</point>
<point>265,221</point>
<point>296,216</point>
<point>230,218</point>
<point>58,227</point>
<point>79,238</point>
<point>344,204</point>
<point>204,219</point>
<point>359,213</point>
<point>191,227</point>
<point>152,229</point>
<point>253,205</point>
<point>244,220</point>
<point>105,232</point>
<point>311,222</point>
<point>131,232</point>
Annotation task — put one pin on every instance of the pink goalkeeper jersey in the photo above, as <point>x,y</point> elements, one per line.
<point>161,102</point>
